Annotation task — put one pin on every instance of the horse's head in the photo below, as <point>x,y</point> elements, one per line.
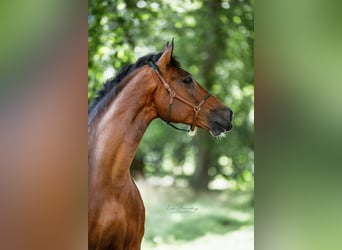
<point>180,99</point>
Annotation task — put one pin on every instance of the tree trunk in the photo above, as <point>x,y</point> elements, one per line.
<point>213,47</point>
<point>200,179</point>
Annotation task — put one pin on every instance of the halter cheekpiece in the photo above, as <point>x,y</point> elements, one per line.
<point>173,95</point>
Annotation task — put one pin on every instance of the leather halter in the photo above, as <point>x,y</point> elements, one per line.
<point>173,95</point>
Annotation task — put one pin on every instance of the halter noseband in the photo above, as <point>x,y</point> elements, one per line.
<point>173,95</point>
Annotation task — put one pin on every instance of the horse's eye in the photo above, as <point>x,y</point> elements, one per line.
<point>187,80</point>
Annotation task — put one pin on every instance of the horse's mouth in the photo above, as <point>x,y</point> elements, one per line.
<point>219,129</point>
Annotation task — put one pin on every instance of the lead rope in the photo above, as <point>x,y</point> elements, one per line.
<point>172,94</point>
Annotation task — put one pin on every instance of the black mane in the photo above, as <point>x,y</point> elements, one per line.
<point>111,84</point>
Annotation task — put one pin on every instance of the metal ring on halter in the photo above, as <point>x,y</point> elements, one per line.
<point>172,93</point>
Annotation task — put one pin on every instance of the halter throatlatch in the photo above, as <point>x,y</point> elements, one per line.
<point>173,95</point>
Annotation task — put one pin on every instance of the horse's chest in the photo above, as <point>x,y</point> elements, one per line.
<point>120,219</point>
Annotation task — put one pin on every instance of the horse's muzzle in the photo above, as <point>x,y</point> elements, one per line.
<point>220,121</point>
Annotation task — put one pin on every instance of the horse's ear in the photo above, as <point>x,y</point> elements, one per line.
<point>165,58</point>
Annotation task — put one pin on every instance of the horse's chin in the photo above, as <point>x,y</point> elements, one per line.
<point>219,130</point>
<point>216,133</point>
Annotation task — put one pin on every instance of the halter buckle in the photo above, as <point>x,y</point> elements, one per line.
<point>197,109</point>
<point>172,93</point>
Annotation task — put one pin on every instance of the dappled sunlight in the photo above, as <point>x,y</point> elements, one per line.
<point>220,183</point>
<point>164,181</point>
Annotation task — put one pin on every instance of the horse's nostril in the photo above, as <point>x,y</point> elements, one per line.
<point>230,115</point>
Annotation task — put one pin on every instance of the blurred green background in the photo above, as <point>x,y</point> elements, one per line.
<point>214,42</point>
<point>298,142</point>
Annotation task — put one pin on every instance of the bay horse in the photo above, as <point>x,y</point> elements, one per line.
<point>154,87</point>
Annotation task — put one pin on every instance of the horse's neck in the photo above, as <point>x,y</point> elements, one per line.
<point>113,141</point>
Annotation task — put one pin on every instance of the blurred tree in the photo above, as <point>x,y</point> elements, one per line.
<point>213,48</point>
<point>214,41</point>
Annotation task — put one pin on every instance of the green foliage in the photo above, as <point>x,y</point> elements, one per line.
<point>213,41</point>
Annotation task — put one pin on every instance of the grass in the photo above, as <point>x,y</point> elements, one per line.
<point>176,218</point>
